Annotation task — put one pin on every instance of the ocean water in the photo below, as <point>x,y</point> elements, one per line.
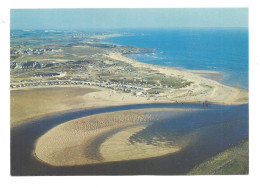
<point>218,49</point>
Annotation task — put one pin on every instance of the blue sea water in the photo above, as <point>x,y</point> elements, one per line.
<point>218,49</point>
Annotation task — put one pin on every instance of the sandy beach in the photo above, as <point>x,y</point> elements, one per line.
<point>202,89</point>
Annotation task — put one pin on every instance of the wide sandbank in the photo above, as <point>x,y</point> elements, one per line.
<point>28,103</point>
<point>100,138</point>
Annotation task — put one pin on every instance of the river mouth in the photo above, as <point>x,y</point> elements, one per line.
<point>202,133</point>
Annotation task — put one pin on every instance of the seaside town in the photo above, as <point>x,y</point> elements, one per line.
<point>65,64</point>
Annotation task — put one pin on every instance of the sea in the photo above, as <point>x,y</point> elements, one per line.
<point>224,50</point>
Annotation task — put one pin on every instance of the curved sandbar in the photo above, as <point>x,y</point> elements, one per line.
<point>23,146</point>
<point>75,142</point>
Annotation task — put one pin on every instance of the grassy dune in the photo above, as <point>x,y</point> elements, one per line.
<point>234,160</point>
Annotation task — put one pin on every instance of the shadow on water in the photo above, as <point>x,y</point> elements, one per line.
<point>201,134</point>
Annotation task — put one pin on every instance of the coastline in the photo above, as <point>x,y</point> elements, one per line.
<point>219,94</point>
<point>165,94</point>
<point>45,100</point>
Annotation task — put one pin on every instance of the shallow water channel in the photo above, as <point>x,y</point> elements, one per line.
<point>200,133</point>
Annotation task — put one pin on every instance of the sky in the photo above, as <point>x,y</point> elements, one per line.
<point>127,18</point>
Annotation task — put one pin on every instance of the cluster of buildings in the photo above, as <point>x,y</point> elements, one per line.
<point>36,51</point>
<point>30,65</point>
<point>92,71</point>
<point>46,74</point>
<point>128,88</point>
<point>27,65</point>
<point>132,50</point>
